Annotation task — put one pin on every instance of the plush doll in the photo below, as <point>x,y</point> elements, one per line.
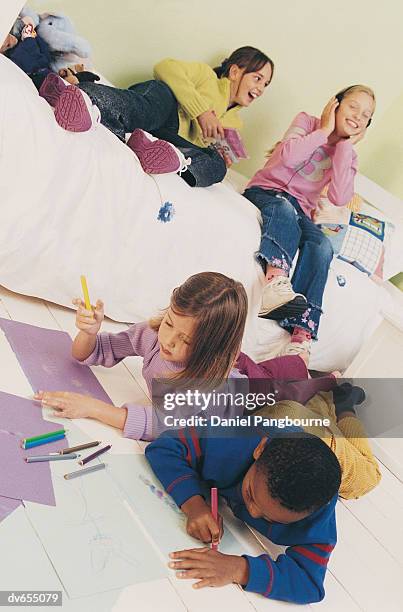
<point>31,53</point>
<point>25,16</point>
<point>66,47</point>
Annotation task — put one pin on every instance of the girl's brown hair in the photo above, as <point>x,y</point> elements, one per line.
<point>219,304</point>
<point>249,58</point>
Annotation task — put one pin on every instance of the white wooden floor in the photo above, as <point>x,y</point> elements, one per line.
<point>366,568</point>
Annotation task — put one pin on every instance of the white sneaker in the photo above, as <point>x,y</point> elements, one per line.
<point>296,348</point>
<point>278,292</point>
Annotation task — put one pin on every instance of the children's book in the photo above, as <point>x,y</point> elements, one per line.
<point>231,145</point>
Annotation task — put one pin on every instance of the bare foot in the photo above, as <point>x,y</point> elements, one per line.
<point>336,374</point>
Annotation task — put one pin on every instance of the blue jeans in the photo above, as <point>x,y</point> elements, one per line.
<point>285,230</point>
<point>153,107</point>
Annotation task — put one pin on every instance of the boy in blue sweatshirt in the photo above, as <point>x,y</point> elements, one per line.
<point>283,484</point>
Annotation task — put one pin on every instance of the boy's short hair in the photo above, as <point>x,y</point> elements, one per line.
<point>303,473</point>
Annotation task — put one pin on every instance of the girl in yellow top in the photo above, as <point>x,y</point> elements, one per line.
<point>187,104</point>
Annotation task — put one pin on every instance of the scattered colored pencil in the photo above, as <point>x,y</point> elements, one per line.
<point>88,470</point>
<point>47,440</point>
<point>85,293</point>
<point>95,455</point>
<point>40,458</point>
<point>214,511</point>
<point>73,449</point>
<point>42,436</point>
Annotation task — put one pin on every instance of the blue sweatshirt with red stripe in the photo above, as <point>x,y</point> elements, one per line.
<point>186,463</point>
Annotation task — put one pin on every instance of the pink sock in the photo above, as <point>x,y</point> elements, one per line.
<point>300,335</point>
<point>271,272</point>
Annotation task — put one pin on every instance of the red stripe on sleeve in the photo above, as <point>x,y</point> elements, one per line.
<point>185,443</point>
<point>195,441</point>
<point>177,481</point>
<point>270,585</point>
<point>325,547</point>
<point>310,555</point>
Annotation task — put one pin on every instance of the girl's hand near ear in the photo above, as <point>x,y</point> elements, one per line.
<point>328,117</point>
<point>210,125</point>
<point>357,137</point>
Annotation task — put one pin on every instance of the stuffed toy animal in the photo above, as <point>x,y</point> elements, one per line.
<point>66,47</point>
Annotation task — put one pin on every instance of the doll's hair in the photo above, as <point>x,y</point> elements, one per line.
<point>249,58</point>
<point>219,305</point>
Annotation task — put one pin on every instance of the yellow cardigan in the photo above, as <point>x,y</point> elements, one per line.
<point>197,89</point>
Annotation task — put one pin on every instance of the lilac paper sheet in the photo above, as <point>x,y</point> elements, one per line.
<point>22,418</point>
<point>45,357</point>
<point>8,505</point>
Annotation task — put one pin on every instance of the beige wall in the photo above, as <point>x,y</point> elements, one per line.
<point>382,159</point>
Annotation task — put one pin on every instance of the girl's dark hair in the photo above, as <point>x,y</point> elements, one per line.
<point>219,304</point>
<point>249,58</point>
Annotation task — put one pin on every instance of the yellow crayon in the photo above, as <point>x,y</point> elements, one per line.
<point>85,293</point>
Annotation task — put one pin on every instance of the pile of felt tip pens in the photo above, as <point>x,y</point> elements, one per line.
<point>66,453</point>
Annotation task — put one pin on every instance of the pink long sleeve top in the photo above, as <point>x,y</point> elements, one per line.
<point>303,163</point>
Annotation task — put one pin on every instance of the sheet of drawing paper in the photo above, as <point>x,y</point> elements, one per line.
<point>26,566</point>
<point>158,512</point>
<point>22,418</point>
<point>45,357</point>
<point>91,537</point>
<point>8,505</point>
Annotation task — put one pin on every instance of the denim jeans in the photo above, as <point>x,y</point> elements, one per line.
<point>285,230</point>
<point>153,107</point>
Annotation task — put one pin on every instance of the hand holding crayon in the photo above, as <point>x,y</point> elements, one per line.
<point>201,523</point>
<point>89,321</point>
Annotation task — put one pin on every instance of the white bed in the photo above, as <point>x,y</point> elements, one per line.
<point>80,204</point>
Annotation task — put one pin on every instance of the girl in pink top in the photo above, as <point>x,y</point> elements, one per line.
<point>313,153</point>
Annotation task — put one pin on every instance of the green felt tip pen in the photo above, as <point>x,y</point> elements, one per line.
<point>43,436</point>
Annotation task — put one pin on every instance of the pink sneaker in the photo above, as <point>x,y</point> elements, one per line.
<point>71,111</point>
<point>52,88</point>
<point>156,156</point>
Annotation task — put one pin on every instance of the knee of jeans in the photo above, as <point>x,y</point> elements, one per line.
<point>220,168</point>
<point>325,249</point>
<point>164,89</point>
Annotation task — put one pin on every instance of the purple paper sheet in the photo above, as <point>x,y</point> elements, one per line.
<point>21,418</point>
<point>45,357</point>
<point>7,506</point>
